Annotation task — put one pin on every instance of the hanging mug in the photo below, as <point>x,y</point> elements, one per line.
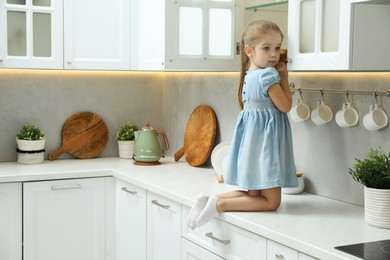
<point>375,119</point>
<point>300,112</point>
<point>347,116</point>
<point>322,114</point>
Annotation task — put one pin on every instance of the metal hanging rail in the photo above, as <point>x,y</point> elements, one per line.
<point>341,91</point>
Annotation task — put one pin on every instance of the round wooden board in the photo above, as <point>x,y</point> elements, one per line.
<point>199,136</point>
<point>84,135</point>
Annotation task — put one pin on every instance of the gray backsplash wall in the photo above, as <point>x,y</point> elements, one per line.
<point>322,153</point>
<point>48,98</point>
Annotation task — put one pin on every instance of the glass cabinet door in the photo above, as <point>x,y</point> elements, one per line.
<point>186,34</point>
<point>206,28</point>
<point>33,28</point>
<point>319,31</point>
<point>319,34</point>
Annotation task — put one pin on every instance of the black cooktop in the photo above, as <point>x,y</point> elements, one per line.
<point>377,250</point>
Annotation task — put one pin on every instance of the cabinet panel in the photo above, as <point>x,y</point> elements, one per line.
<point>163,228</point>
<point>130,221</point>
<point>302,256</point>
<point>64,219</point>
<point>191,251</point>
<point>279,251</point>
<point>225,240</point>
<point>11,221</point>
<point>96,34</point>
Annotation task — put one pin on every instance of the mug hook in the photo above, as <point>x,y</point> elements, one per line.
<point>347,95</point>
<point>300,93</point>
<point>375,96</point>
<point>322,94</point>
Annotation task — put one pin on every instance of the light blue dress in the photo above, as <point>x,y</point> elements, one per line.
<point>261,154</point>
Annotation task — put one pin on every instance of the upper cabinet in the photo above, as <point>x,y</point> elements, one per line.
<point>121,34</point>
<point>186,35</point>
<point>31,34</point>
<point>96,34</point>
<point>338,35</point>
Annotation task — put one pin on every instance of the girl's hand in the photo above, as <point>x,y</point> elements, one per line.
<point>281,67</point>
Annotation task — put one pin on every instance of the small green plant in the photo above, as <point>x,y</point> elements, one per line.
<point>126,132</point>
<point>30,132</point>
<point>374,170</point>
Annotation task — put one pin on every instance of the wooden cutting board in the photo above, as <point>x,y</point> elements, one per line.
<point>199,136</point>
<point>84,135</point>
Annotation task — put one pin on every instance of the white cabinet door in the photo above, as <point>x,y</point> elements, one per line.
<point>163,228</point>
<point>64,219</point>
<point>11,221</point>
<point>186,35</point>
<point>191,251</point>
<point>31,34</point>
<point>319,34</point>
<point>96,34</point>
<point>130,221</point>
<point>337,35</point>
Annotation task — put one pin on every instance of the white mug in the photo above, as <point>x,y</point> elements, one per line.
<point>375,119</point>
<point>322,114</point>
<point>300,112</point>
<point>347,116</point>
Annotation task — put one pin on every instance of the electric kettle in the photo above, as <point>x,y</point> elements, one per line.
<point>147,148</point>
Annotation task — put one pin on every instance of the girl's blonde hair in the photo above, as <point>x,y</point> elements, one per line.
<point>251,36</point>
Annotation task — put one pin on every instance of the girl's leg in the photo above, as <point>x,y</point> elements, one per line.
<point>200,204</point>
<point>232,194</point>
<point>256,200</point>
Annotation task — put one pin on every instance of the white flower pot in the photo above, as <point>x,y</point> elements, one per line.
<point>30,152</point>
<point>28,145</point>
<point>377,207</point>
<point>126,149</point>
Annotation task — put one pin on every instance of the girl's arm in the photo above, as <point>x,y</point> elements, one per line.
<point>280,94</point>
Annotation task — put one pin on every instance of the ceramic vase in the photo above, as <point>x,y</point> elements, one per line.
<point>126,149</point>
<point>30,152</point>
<point>377,207</point>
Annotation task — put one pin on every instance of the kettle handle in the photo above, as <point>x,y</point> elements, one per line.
<point>165,138</point>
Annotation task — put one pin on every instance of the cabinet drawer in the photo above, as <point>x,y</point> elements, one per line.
<point>302,256</point>
<point>278,251</point>
<point>225,240</point>
<point>191,251</point>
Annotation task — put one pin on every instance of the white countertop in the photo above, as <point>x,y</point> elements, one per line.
<point>308,223</point>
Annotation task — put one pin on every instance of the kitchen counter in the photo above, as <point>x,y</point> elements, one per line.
<point>308,223</point>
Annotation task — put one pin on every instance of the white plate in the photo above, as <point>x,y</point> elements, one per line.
<point>220,160</point>
<point>216,150</point>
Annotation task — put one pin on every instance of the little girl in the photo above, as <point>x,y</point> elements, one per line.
<point>261,159</point>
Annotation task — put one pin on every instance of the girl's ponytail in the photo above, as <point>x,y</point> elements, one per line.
<point>244,68</point>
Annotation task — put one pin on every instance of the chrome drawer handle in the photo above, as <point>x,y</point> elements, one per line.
<point>279,256</point>
<point>129,191</point>
<point>210,235</point>
<point>155,202</point>
<point>78,186</point>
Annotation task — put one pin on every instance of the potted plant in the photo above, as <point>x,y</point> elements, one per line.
<point>126,139</point>
<point>374,173</point>
<point>30,141</point>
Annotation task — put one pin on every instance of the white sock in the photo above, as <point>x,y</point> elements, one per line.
<point>195,211</point>
<point>209,211</point>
